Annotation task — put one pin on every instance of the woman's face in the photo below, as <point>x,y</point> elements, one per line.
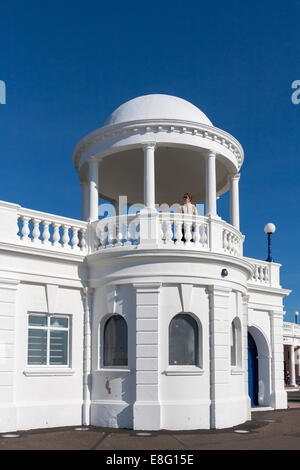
<point>186,199</point>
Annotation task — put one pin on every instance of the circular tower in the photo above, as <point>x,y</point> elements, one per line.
<point>169,310</point>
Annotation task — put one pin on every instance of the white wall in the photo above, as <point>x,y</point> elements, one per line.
<point>49,396</point>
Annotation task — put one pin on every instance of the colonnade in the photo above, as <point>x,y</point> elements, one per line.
<point>90,191</point>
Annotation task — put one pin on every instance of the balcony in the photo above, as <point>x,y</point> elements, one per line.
<point>167,230</point>
<point>42,233</point>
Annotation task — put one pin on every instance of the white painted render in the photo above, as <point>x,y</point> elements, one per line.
<point>138,268</point>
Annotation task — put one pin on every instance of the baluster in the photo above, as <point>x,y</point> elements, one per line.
<point>178,232</point>
<point>75,239</point>
<point>234,247</point>
<point>266,274</point>
<point>36,231</point>
<point>231,238</point>
<point>137,234</point>
<point>187,232</point>
<point>65,237</point>
<point>83,243</point>
<point>111,229</point>
<point>168,231</point>
<point>225,240</point>
<point>46,233</point>
<point>204,235</point>
<point>260,273</point>
<point>255,275</point>
<point>119,233</point>
<point>56,234</point>
<point>196,234</point>
<point>103,235</point>
<point>162,229</point>
<point>25,229</point>
<point>128,235</point>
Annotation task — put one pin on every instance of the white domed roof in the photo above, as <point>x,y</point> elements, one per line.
<point>157,107</point>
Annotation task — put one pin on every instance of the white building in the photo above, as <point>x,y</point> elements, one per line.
<point>120,323</point>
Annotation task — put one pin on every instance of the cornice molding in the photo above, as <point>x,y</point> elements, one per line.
<point>142,128</point>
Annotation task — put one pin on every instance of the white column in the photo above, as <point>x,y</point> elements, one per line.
<point>234,201</point>
<point>220,414</point>
<point>278,393</point>
<point>84,200</point>
<point>147,409</point>
<point>8,354</point>
<point>292,366</point>
<point>298,367</point>
<point>149,176</point>
<point>211,187</point>
<point>93,191</point>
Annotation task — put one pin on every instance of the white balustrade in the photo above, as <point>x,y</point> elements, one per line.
<point>117,231</point>
<point>49,231</point>
<point>170,230</point>
<point>231,242</point>
<point>184,230</point>
<point>261,273</point>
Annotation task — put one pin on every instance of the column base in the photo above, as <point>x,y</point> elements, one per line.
<point>111,414</point>
<point>147,416</point>
<point>279,400</point>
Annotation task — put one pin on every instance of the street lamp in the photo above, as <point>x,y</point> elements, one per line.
<point>296,316</point>
<point>269,229</point>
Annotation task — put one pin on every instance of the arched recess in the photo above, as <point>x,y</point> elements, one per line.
<point>185,341</point>
<point>114,341</point>
<point>236,357</point>
<point>263,363</point>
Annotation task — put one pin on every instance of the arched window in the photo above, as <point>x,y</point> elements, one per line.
<point>183,341</point>
<point>235,343</point>
<point>115,342</point>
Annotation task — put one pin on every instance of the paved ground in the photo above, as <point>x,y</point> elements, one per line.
<point>268,430</point>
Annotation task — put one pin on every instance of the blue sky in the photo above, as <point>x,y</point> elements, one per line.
<point>67,65</point>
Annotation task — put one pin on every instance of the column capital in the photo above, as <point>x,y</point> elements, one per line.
<point>147,286</point>
<point>148,145</point>
<point>211,153</point>
<point>234,176</point>
<point>219,290</point>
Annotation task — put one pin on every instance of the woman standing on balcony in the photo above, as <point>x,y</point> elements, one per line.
<point>187,207</point>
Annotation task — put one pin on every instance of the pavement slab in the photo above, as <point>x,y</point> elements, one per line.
<point>268,430</point>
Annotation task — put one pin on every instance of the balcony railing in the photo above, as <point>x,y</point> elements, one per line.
<point>47,231</point>
<point>291,329</point>
<point>171,230</point>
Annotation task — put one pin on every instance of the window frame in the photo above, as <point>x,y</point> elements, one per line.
<point>102,326</point>
<point>186,369</point>
<point>48,329</point>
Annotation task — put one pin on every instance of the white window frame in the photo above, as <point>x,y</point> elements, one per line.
<point>50,328</point>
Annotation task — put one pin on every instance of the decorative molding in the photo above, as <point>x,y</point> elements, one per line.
<point>111,298</point>
<point>183,371</point>
<point>186,294</point>
<point>112,371</point>
<point>51,297</point>
<point>47,372</point>
<point>177,126</point>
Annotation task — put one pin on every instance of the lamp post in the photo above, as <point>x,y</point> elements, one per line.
<point>269,229</point>
<point>296,317</point>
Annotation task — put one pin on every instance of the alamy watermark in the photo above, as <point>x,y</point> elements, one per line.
<point>296,94</point>
<point>2,92</point>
